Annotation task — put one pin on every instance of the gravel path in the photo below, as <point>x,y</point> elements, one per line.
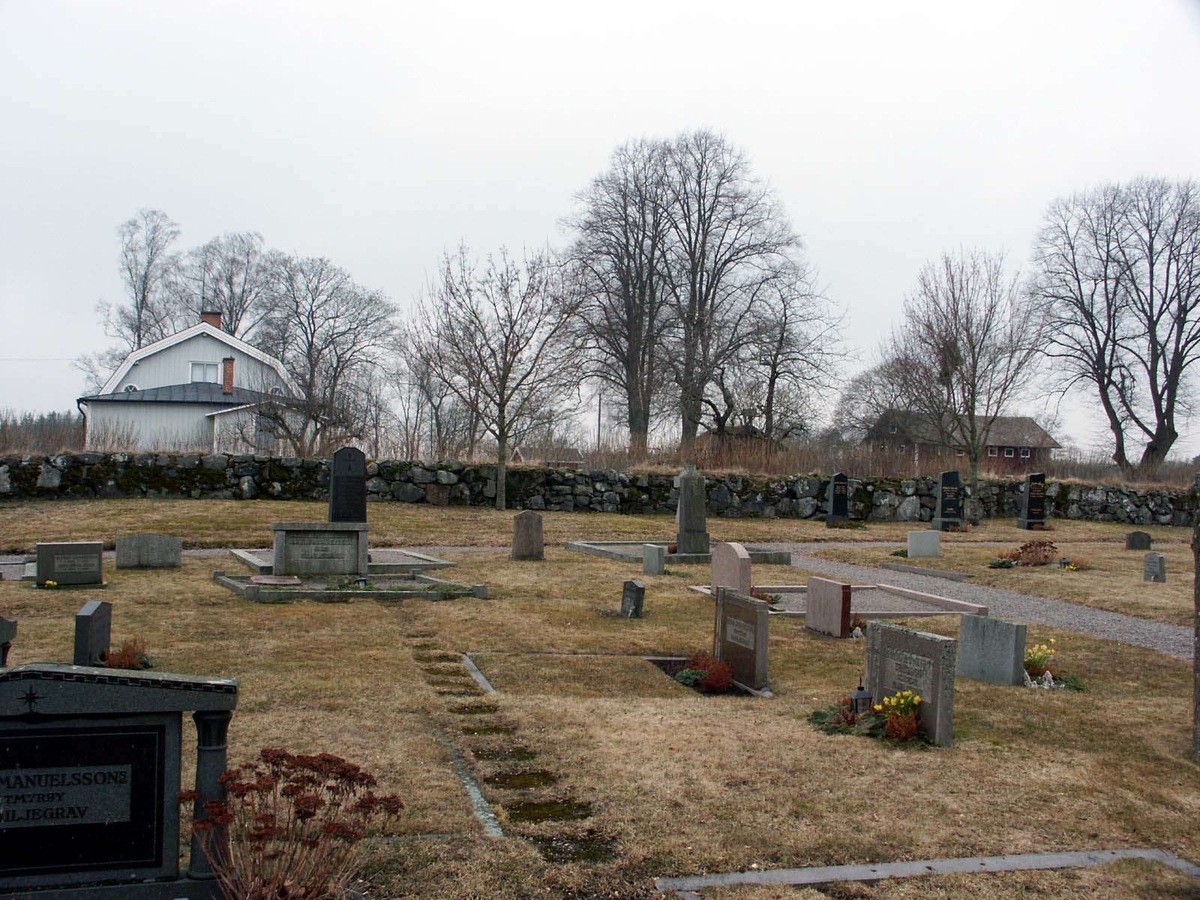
<point>1174,640</point>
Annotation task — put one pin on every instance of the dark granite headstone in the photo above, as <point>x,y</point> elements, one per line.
<point>8,633</point>
<point>348,486</point>
<point>93,633</point>
<point>741,636</point>
<point>633,598</point>
<point>839,500</point>
<point>1033,502</point>
<point>947,512</point>
<point>90,776</point>
<point>691,516</point>
<point>1137,540</point>
<point>76,562</point>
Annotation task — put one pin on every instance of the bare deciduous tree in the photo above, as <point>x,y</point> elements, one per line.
<point>147,268</point>
<point>1119,269</point>
<point>729,241</point>
<point>966,350</point>
<point>230,274</point>
<point>498,337</point>
<point>620,249</point>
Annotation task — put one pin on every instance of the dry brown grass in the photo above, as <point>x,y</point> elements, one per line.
<point>684,783</point>
<point>247,523</point>
<point>1113,580</point>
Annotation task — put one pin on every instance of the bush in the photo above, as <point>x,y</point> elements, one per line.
<point>289,826</point>
<point>1037,553</point>
<point>130,655</point>
<point>718,675</point>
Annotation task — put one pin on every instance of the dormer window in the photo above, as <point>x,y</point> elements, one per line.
<point>205,372</point>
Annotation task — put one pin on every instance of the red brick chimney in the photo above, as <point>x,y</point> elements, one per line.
<point>226,373</point>
<point>212,317</point>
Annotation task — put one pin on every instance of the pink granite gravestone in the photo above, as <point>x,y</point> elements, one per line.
<point>827,607</point>
<point>730,568</point>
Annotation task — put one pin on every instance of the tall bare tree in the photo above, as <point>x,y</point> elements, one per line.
<point>620,247</point>
<point>1119,269</point>
<point>330,333</point>
<point>729,241</point>
<point>966,350</point>
<point>498,336</point>
<point>230,274</point>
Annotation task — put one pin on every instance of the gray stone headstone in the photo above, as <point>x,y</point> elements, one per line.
<point>320,548</point>
<point>947,512</point>
<point>8,634</point>
<point>1154,568</point>
<point>731,567</point>
<point>924,544</point>
<point>900,659</point>
<point>77,562</point>
<point>654,559</point>
<point>527,542</point>
<point>149,551</point>
<point>839,500</point>
<point>741,636</point>
<point>691,516</point>
<point>348,486</point>
<point>90,769</point>
<point>827,607</point>
<point>633,598</point>
<point>93,633</point>
<point>1137,540</point>
<point>1033,502</point>
<point>991,650</point>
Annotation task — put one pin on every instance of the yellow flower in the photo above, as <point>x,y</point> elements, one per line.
<point>1052,640</point>
<point>917,699</point>
<point>878,708</point>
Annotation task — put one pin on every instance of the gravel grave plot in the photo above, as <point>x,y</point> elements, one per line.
<point>1174,640</point>
<point>867,600</point>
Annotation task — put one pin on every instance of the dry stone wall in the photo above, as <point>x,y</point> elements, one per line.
<point>221,476</point>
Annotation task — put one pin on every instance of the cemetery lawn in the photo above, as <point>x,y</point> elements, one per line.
<point>1114,581</point>
<point>682,783</point>
<point>247,523</point>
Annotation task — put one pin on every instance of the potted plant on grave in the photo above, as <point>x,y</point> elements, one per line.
<point>1038,659</point>
<point>900,713</point>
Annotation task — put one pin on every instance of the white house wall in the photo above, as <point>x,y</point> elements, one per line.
<point>173,365</point>
<point>149,426</point>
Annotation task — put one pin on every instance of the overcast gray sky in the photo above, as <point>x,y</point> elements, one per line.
<point>378,135</point>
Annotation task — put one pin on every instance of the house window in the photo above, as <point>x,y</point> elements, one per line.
<point>992,451</point>
<point>901,448</point>
<point>1008,453</point>
<point>961,453</point>
<point>1024,453</point>
<point>205,372</point>
<point>893,428</point>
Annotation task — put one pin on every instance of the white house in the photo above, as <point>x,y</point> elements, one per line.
<point>196,390</point>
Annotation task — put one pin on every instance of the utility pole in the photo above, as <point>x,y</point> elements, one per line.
<point>599,410</point>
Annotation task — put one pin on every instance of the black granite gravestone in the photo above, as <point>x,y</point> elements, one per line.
<point>1033,502</point>
<point>348,486</point>
<point>839,500</point>
<point>947,513</point>
<point>93,632</point>
<point>8,631</point>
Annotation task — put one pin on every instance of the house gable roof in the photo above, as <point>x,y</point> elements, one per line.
<point>1006,431</point>
<point>185,335</point>
<point>208,393</point>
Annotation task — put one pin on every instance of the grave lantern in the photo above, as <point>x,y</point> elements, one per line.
<point>860,697</point>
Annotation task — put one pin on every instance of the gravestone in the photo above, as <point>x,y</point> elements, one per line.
<point>900,659</point>
<point>8,633</point>
<point>741,635</point>
<point>90,777</point>
<point>149,551</point>
<point>348,486</point>
<point>991,650</point>
<point>654,559</point>
<point>1033,502</point>
<point>924,544</point>
<point>1154,568</point>
<point>93,633</point>
<point>691,515</point>
<point>731,567</point>
<point>1135,540</point>
<point>633,597</point>
<point>947,512</point>
<point>320,548</point>
<point>827,607</point>
<point>839,500</point>
<point>527,542</point>
<point>76,562</point>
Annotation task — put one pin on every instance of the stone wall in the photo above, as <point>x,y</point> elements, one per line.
<point>219,476</point>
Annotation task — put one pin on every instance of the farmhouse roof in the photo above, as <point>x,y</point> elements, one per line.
<point>1006,431</point>
<point>209,393</point>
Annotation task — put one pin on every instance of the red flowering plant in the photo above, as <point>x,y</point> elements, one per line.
<point>290,825</point>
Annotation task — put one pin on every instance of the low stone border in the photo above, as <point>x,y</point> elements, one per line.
<point>631,552</point>
<point>260,562</point>
<point>917,570</point>
<point>480,678</point>
<point>479,806</point>
<point>684,887</point>
<point>438,590</point>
